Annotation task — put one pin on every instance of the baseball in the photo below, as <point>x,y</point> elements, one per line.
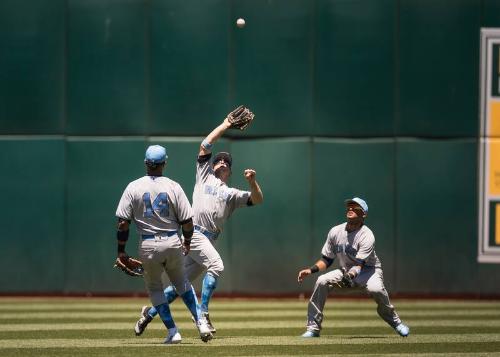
<point>240,22</point>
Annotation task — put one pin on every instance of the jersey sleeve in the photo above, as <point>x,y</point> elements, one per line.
<point>366,246</point>
<point>125,206</point>
<point>203,167</point>
<point>329,246</point>
<point>240,198</point>
<point>184,210</point>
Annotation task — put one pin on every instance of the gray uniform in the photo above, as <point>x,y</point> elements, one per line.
<point>213,203</point>
<point>351,249</point>
<point>158,205</point>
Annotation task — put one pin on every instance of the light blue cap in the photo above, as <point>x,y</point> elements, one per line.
<point>358,201</point>
<point>156,154</point>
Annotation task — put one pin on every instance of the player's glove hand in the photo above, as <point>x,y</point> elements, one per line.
<point>346,281</point>
<point>240,118</point>
<point>129,266</point>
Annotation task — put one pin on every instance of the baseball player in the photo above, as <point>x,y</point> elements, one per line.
<point>158,206</point>
<point>213,203</point>
<point>353,244</point>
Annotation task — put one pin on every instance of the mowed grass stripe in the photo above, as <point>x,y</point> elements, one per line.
<point>194,350</point>
<point>117,304</point>
<point>255,314</point>
<point>282,331</point>
<point>250,341</point>
<point>247,324</point>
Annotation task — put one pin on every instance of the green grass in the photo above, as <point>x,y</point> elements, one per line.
<point>104,327</point>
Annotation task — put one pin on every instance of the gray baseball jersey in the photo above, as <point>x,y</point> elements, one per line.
<point>156,204</point>
<point>351,248</point>
<point>213,200</point>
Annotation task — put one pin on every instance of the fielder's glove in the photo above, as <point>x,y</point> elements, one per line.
<point>129,266</point>
<point>346,281</point>
<point>240,118</point>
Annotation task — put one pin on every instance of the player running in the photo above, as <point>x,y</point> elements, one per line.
<point>158,206</point>
<point>213,203</point>
<point>353,244</point>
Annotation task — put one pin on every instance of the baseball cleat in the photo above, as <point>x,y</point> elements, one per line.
<point>204,330</point>
<point>209,323</point>
<point>173,336</point>
<point>145,319</point>
<point>402,329</point>
<point>310,333</point>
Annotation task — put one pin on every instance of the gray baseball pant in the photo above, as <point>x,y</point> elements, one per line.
<point>158,255</point>
<point>371,279</point>
<point>202,256</point>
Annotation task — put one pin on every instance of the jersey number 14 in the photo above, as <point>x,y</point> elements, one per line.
<point>160,204</point>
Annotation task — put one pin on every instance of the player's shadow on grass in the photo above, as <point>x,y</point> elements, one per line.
<point>365,337</point>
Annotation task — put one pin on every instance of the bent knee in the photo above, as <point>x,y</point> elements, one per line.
<point>216,268</point>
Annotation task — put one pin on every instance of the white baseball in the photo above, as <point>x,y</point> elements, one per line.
<point>240,22</point>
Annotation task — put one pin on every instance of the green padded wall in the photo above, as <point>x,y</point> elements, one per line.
<point>271,61</point>
<point>377,99</point>
<point>97,173</point>
<point>354,68</point>
<point>189,65</point>
<point>33,195</point>
<point>269,242</point>
<point>437,216</point>
<point>344,169</point>
<point>32,39</point>
<point>490,13</point>
<point>438,59</point>
<point>107,67</point>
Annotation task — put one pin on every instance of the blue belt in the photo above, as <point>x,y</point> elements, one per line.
<point>206,232</point>
<point>162,234</point>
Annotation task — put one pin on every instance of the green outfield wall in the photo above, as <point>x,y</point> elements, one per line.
<point>378,99</point>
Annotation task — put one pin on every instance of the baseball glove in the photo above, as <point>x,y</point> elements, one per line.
<point>129,266</point>
<point>240,118</point>
<point>346,281</point>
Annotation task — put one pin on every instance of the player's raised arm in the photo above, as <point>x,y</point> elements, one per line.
<point>240,118</point>
<point>207,143</point>
<point>256,195</point>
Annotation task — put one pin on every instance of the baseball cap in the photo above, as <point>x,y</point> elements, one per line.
<point>223,156</point>
<point>358,201</point>
<point>155,154</point>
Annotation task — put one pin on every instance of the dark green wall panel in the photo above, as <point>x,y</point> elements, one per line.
<point>98,172</point>
<point>107,67</point>
<point>32,190</point>
<point>344,169</point>
<point>189,65</point>
<point>437,216</point>
<point>269,242</point>
<point>490,13</point>
<point>271,63</point>
<point>439,59</point>
<point>32,67</point>
<point>354,68</point>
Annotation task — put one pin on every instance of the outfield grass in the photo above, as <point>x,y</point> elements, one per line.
<point>104,327</point>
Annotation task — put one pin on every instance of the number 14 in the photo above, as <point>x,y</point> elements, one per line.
<point>160,204</point>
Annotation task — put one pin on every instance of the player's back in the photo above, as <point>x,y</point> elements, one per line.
<point>153,203</point>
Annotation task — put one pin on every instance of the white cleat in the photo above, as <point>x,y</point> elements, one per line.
<point>204,330</point>
<point>402,330</point>
<point>209,323</point>
<point>173,336</point>
<point>310,334</point>
<point>143,322</point>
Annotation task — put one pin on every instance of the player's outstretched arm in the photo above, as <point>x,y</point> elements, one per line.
<point>206,144</point>
<point>320,265</point>
<point>256,193</point>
